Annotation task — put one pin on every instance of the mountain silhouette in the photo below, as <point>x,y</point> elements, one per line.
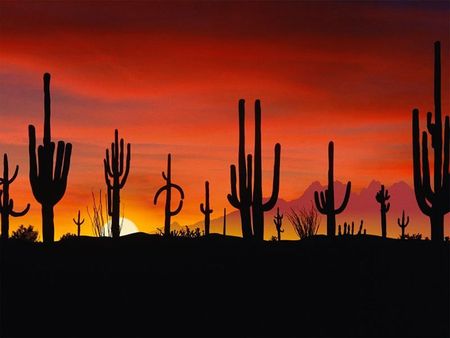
<point>362,205</point>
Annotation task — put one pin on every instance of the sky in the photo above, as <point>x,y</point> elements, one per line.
<point>169,77</point>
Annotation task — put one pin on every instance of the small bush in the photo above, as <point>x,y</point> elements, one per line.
<point>27,234</point>
<point>183,232</point>
<point>67,236</point>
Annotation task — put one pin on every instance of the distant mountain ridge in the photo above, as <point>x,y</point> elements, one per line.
<point>362,205</point>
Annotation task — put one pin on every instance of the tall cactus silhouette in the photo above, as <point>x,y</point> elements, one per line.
<point>382,197</point>
<point>326,203</point>
<point>6,203</point>
<point>116,174</point>
<point>244,201</point>
<point>168,188</point>
<point>434,203</point>
<point>258,207</point>
<point>205,209</point>
<point>48,185</point>
<point>78,222</point>
<point>249,197</point>
<point>278,221</point>
<point>403,224</point>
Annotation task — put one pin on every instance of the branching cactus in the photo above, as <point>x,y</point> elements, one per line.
<point>382,197</point>
<point>168,189</point>
<point>403,223</point>
<point>206,210</point>
<point>48,184</point>
<point>326,204</point>
<point>258,207</point>
<point>247,197</point>
<point>116,174</point>
<point>434,203</point>
<point>360,230</point>
<point>243,201</point>
<point>278,221</point>
<point>78,222</point>
<point>6,203</point>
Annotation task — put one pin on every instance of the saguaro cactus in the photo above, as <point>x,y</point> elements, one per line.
<point>205,209</point>
<point>244,201</point>
<point>326,203</point>
<point>278,221</point>
<point>116,174</point>
<point>248,197</point>
<point>6,203</point>
<point>434,203</point>
<point>403,224</point>
<point>48,185</point>
<point>78,222</point>
<point>168,188</point>
<point>258,207</point>
<point>382,196</point>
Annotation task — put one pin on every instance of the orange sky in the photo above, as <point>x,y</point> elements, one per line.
<point>169,75</point>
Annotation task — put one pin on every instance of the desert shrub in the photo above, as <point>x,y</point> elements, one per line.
<point>306,222</point>
<point>416,237</point>
<point>27,234</point>
<point>183,232</point>
<point>67,236</point>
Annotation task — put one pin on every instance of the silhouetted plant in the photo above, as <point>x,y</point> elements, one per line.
<point>416,237</point>
<point>326,203</point>
<point>99,218</point>
<point>306,222</point>
<point>382,196</point>
<point>6,203</point>
<point>435,204</point>
<point>48,185</point>
<point>168,188</point>
<point>68,236</point>
<point>27,234</point>
<point>247,197</point>
<point>185,232</point>
<point>78,222</point>
<point>224,221</point>
<point>278,221</point>
<point>403,224</point>
<point>116,172</point>
<point>205,209</point>
<point>349,229</point>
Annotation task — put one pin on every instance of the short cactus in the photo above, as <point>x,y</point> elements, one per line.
<point>78,222</point>
<point>382,196</point>
<point>206,210</point>
<point>278,220</point>
<point>403,224</point>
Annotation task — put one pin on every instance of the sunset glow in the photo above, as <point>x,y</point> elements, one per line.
<point>169,77</point>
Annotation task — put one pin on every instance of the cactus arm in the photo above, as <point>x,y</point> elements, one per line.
<point>18,213</point>
<point>388,207</point>
<point>164,175</point>
<point>202,208</point>
<point>106,171</point>
<point>426,185</point>
<point>249,176</point>
<point>14,176</point>
<point>74,221</point>
<point>32,153</point>
<point>180,205</point>
<point>107,166</point>
<point>127,166</point>
<point>121,158</point>
<point>346,198</point>
<point>407,221</point>
<point>318,205</point>
<point>155,199</point>
<point>177,187</point>
<point>445,168</point>
<point>418,186</point>
<point>232,198</point>
<point>398,222</point>
<point>323,199</point>
<point>276,181</point>
<point>59,160</point>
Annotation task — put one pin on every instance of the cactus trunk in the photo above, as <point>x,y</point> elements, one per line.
<point>168,213</point>
<point>48,227</point>
<point>50,181</point>
<point>326,203</point>
<point>117,171</point>
<point>224,221</point>
<point>434,203</point>
<point>206,210</point>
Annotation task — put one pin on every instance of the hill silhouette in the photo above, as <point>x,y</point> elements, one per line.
<point>362,205</point>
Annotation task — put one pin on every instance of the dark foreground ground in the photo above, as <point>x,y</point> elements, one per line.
<point>143,285</point>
